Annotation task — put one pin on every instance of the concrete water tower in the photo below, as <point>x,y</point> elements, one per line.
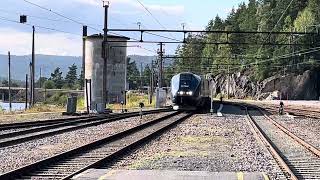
<point>116,68</point>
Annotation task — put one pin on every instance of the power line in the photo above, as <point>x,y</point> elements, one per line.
<point>174,39</point>
<point>307,51</point>
<point>61,15</point>
<point>151,14</point>
<point>41,27</point>
<point>73,20</point>
<point>282,15</point>
<point>32,16</point>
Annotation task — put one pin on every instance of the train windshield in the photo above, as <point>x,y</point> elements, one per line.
<point>188,81</point>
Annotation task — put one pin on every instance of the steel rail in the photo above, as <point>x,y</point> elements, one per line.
<point>297,112</point>
<point>87,156</point>
<point>270,146</point>
<point>28,135</point>
<point>55,121</point>
<point>310,147</point>
<point>67,123</point>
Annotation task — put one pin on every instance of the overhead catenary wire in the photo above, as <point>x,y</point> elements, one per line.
<point>38,26</point>
<point>282,15</point>
<point>61,15</point>
<point>298,53</point>
<point>33,16</point>
<point>150,13</point>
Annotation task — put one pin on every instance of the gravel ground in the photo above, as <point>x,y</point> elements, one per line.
<point>5,119</point>
<point>303,163</point>
<point>311,105</point>
<point>306,128</point>
<point>204,143</point>
<point>26,153</point>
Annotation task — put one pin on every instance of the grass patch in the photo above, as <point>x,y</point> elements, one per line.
<point>80,103</point>
<point>150,161</point>
<point>133,101</point>
<point>201,140</point>
<point>146,162</point>
<point>44,108</point>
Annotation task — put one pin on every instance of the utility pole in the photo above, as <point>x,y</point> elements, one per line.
<point>228,83</point>
<point>151,83</point>
<point>26,102</point>
<point>141,77</point>
<point>33,70</point>
<point>30,70</point>
<point>125,82</point>
<point>160,53</point>
<point>84,35</point>
<point>40,85</point>
<point>9,80</point>
<point>105,52</point>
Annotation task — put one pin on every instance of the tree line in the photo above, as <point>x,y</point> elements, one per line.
<point>57,81</point>
<point>259,61</point>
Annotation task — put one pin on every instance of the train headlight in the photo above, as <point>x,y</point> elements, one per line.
<point>181,92</point>
<point>190,93</point>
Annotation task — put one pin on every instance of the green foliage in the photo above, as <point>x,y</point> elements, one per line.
<point>59,99</point>
<point>71,77</point>
<point>133,100</point>
<point>41,81</point>
<point>80,82</point>
<point>57,78</point>
<point>81,103</point>
<point>5,83</point>
<point>146,75</point>
<point>49,84</point>
<point>304,20</point>
<point>264,60</point>
<point>133,74</point>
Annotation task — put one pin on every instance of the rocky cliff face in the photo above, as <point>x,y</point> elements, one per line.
<point>292,87</point>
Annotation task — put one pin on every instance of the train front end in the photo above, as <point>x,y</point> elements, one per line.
<point>185,89</point>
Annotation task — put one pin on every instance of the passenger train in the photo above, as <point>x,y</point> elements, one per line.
<point>190,91</point>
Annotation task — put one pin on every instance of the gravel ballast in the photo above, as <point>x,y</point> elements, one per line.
<point>204,143</point>
<point>32,151</point>
<point>307,129</point>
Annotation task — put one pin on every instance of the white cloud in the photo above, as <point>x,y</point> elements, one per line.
<point>19,43</point>
<point>168,9</point>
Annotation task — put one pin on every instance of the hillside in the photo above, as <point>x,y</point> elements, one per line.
<point>20,64</point>
<point>260,55</point>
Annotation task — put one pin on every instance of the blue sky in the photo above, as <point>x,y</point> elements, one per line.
<point>123,14</point>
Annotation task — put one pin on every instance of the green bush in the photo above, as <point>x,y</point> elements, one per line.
<point>80,103</point>
<point>59,99</point>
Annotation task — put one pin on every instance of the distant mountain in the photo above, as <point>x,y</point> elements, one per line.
<point>147,60</point>
<point>20,64</point>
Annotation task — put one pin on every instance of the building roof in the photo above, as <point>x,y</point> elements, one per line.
<point>109,36</point>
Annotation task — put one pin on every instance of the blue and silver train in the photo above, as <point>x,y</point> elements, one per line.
<point>189,90</point>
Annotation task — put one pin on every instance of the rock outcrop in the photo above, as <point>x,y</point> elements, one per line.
<point>292,87</point>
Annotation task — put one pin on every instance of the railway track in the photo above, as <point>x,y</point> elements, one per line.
<point>297,112</point>
<point>296,158</point>
<point>23,132</point>
<point>95,154</point>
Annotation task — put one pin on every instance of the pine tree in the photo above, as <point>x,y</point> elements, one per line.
<point>146,75</point>
<point>133,74</point>
<point>81,80</point>
<point>71,77</point>
<point>57,78</point>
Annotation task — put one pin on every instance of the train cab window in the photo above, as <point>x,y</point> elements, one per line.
<point>188,81</point>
